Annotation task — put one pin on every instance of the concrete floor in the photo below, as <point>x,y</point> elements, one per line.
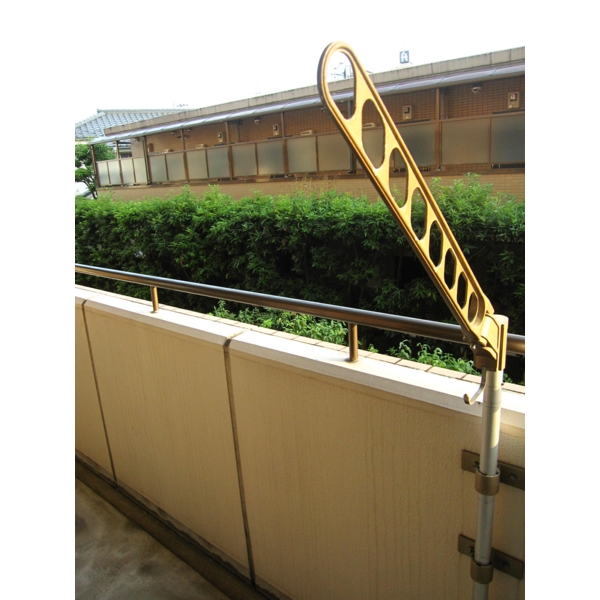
<point>117,560</point>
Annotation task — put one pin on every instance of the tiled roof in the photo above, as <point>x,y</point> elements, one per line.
<point>93,127</point>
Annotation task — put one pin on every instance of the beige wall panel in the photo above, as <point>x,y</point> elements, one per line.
<point>165,399</point>
<point>90,438</point>
<point>355,492</point>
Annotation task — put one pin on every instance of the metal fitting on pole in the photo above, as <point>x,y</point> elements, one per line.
<point>488,485</point>
<point>482,574</point>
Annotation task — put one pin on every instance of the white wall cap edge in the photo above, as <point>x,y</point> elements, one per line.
<point>195,327</point>
<point>419,385</point>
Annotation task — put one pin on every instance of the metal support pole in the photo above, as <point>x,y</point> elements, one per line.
<point>353,342</point>
<point>486,484</point>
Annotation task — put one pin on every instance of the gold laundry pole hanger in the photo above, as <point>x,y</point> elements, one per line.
<point>472,309</point>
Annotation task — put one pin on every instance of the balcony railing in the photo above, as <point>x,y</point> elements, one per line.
<point>353,316</point>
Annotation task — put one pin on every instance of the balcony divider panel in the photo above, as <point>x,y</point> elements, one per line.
<point>333,153</point>
<point>244,160</point>
<point>127,171</point>
<point>302,154</point>
<point>176,169</point>
<point>270,157</point>
<point>218,162</point>
<point>159,168</point>
<point>196,160</point>
<point>139,165</point>
<point>114,172</point>
<point>102,170</point>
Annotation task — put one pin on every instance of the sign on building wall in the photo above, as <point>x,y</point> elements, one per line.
<point>404,57</point>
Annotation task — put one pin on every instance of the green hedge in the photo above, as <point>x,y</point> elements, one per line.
<point>328,248</point>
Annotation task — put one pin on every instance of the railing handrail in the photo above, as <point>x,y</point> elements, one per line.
<point>408,325</point>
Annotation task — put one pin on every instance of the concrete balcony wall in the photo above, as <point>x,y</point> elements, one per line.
<point>164,398</point>
<point>352,475</point>
<point>351,479</point>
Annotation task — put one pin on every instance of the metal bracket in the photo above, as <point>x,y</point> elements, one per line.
<point>509,474</point>
<point>504,563</point>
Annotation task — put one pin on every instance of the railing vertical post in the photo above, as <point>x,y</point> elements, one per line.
<point>353,342</point>
<point>154,296</point>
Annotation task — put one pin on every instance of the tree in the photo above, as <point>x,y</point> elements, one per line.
<point>84,168</point>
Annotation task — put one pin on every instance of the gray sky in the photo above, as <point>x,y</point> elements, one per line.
<point>192,54</point>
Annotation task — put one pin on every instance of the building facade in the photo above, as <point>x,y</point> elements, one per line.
<point>457,116</point>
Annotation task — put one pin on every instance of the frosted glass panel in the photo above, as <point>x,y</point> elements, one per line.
<point>373,145</point>
<point>302,155</point>
<point>127,170</point>
<point>140,170</point>
<point>197,164</point>
<point>420,140</point>
<point>114,172</point>
<point>244,160</point>
<point>218,162</point>
<point>270,158</point>
<point>465,142</point>
<point>175,167</point>
<point>158,168</point>
<point>102,169</point>
<point>334,153</point>
<point>508,139</point>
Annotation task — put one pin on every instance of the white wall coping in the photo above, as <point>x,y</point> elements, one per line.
<point>169,320</point>
<point>419,385</point>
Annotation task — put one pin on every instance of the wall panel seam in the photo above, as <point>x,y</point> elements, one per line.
<point>89,341</point>
<point>236,445</point>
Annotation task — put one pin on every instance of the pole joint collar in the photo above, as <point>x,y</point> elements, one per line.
<point>481,573</point>
<point>487,485</point>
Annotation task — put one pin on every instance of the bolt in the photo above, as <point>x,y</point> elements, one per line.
<point>513,477</point>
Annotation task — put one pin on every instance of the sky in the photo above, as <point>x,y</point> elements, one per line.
<point>201,56</point>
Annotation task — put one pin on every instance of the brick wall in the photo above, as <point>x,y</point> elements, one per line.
<point>460,101</point>
<point>316,119</point>
<point>205,134</point>
<point>249,131</point>
<point>422,102</point>
<point>165,140</point>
